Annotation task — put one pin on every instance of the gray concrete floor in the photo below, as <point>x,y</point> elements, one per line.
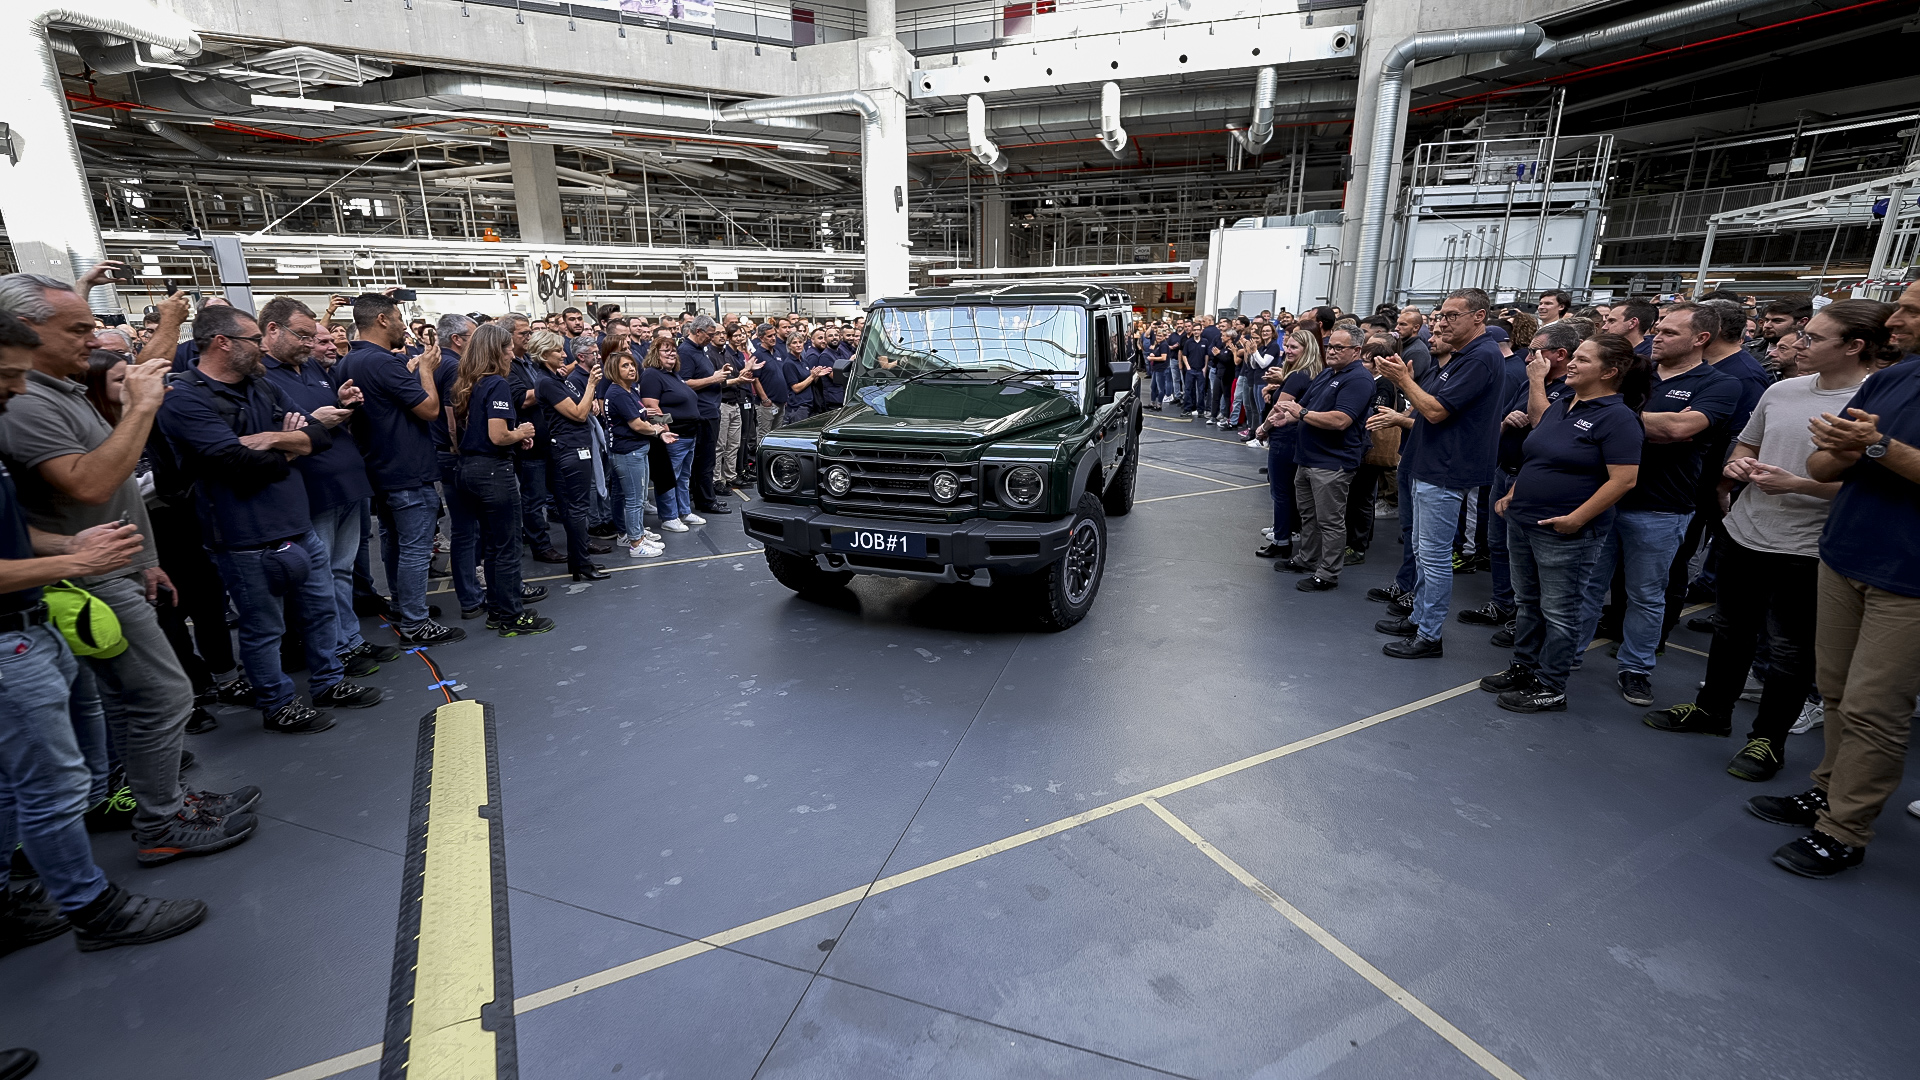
<point>695,749</point>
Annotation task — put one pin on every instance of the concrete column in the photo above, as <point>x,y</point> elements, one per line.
<point>883,164</point>
<point>536,193</point>
<point>880,18</point>
<point>993,225</point>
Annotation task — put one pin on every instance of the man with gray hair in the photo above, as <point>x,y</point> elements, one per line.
<point>703,371</point>
<point>75,472</point>
<point>455,331</point>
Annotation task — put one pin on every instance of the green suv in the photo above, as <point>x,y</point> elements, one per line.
<point>988,433</point>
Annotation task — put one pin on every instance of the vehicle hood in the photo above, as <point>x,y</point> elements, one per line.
<point>953,412</point>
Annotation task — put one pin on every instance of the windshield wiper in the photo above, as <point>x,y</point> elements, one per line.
<point>943,371</point>
<point>1037,372</point>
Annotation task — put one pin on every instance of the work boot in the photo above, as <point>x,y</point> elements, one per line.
<point>119,917</point>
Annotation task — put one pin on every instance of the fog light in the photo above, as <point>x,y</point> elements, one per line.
<point>839,480</point>
<point>945,487</point>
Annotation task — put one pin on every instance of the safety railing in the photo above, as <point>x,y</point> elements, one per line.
<point>1685,213</point>
<point>1571,159</point>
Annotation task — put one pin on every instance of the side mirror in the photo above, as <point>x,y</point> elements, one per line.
<point>1120,376</point>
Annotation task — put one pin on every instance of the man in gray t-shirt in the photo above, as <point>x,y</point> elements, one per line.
<point>1770,559</point>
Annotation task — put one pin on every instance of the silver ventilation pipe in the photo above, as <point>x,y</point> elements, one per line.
<point>197,150</point>
<point>985,151</point>
<point>1260,127</point>
<point>181,139</point>
<point>44,196</point>
<point>1514,41</point>
<point>1112,135</point>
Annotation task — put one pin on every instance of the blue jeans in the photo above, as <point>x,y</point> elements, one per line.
<point>1549,583</point>
<point>90,733</point>
<point>43,775</point>
<point>406,546</point>
<point>1497,540</point>
<point>338,528</point>
<point>1436,517</point>
<point>1408,576</point>
<point>1193,389</point>
<point>263,622</point>
<point>678,501</point>
<point>465,529</point>
<point>1162,384</point>
<point>636,490</point>
<point>1643,541</point>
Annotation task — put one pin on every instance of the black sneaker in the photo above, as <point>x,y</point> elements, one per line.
<point>1756,761</point>
<point>1532,700</point>
<point>527,623</point>
<point>1384,594</point>
<point>385,654</point>
<point>1353,558</point>
<point>216,804</point>
<point>1518,676</point>
<point>1289,566</point>
<point>187,834</point>
<point>27,918</point>
<point>1687,719</point>
<point>1271,551</point>
<point>1488,614</point>
<point>357,666</point>
<point>1316,583</point>
<point>1703,624</point>
<point>1503,637</point>
<point>346,695</point>
<point>237,692</point>
<point>532,594</point>
<point>298,718</point>
<point>113,813</point>
<point>1817,855</point>
<point>1636,687</point>
<point>1396,627</point>
<point>1414,648</point>
<point>1401,608</point>
<point>606,529</point>
<point>118,917</point>
<point>200,721</point>
<point>429,633</point>
<point>1800,810</point>
<point>473,612</point>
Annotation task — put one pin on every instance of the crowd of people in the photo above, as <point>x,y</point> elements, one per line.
<point>1607,466</point>
<point>187,503</point>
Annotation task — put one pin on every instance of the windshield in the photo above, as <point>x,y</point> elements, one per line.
<point>902,343</point>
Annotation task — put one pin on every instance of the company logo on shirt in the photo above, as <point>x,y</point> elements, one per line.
<point>501,405</point>
<point>1679,395</point>
<point>1583,425</point>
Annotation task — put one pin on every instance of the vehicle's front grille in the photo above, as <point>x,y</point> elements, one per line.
<point>898,483</point>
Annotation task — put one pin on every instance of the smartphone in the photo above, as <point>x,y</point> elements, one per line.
<point>406,294</point>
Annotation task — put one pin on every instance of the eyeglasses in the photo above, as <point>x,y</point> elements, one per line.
<point>1449,316</point>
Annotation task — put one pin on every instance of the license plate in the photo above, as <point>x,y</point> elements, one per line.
<point>880,542</point>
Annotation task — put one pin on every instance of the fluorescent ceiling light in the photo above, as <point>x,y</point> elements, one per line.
<point>86,122</point>
<point>803,147</point>
<point>450,277</point>
<point>274,101</point>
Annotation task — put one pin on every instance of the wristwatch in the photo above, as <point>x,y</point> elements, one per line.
<point>1879,449</point>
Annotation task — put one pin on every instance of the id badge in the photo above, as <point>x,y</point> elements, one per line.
<point>585,454</point>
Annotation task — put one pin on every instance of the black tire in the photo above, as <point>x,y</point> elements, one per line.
<point>801,574</point>
<point>1117,500</point>
<point>1064,592</point>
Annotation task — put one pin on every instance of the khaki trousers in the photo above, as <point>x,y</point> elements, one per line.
<point>1321,495</point>
<point>1867,661</point>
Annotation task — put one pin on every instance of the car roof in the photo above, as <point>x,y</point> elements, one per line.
<point>1009,293</point>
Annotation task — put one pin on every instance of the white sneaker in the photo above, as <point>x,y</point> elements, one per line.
<point>673,525</point>
<point>650,536</point>
<point>644,550</point>
<point>1751,691</point>
<point>1267,532</point>
<point>1914,808</point>
<point>1812,715</point>
<point>693,519</point>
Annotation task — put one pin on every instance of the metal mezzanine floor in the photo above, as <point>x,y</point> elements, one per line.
<point>1209,832</point>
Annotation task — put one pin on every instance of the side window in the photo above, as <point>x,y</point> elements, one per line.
<point>1103,342</point>
<point>1120,332</point>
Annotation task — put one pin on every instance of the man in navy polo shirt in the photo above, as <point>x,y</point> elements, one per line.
<point>1192,359</point>
<point>237,435</point>
<point>701,370</point>
<point>1867,645</point>
<point>401,400</point>
<point>776,382</point>
<point>1450,451</point>
<point>1633,319</point>
<point>1685,414</point>
<point>336,478</point>
<point>1331,415</point>
<point>454,331</point>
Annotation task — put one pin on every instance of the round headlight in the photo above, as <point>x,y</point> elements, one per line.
<point>783,472</point>
<point>945,487</point>
<point>839,480</point>
<point>1023,486</point>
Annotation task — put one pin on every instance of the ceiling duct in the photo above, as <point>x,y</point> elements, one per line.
<point>199,151</point>
<point>461,92</point>
<point>984,150</point>
<point>296,69</point>
<point>1260,127</point>
<point>1112,135</point>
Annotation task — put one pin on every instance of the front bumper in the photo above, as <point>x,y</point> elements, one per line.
<point>971,550</point>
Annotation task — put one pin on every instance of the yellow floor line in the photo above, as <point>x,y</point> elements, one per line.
<point>1191,494</point>
<point>1182,472</point>
<point>1684,648</point>
<point>641,564</point>
<point>1420,1010</point>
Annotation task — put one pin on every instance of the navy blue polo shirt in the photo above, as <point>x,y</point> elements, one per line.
<point>525,377</point>
<point>1157,352</point>
<point>566,436</point>
<point>246,498</point>
<point>15,543</point>
<point>1670,472</point>
<point>492,399</point>
<point>1753,382</point>
<point>1348,390</point>
<point>1194,349</point>
<point>773,376</point>
<point>1210,340</point>
<point>700,362</point>
<point>1645,348</point>
<point>395,443</point>
<point>1460,451</point>
<point>185,354</point>
<point>1873,531</point>
<point>676,398</point>
<point>1512,439</point>
<point>334,476</point>
<point>1288,436</point>
<point>1566,458</point>
<point>623,408</point>
<point>443,376</point>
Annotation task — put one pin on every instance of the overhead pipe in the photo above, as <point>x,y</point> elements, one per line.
<point>199,151</point>
<point>44,196</point>
<point>1112,135</point>
<point>984,149</point>
<point>1260,128</point>
<point>1513,41</point>
<point>181,139</point>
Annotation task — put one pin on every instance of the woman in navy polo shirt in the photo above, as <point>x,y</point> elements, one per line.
<point>566,395</point>
<point>1581,459</point>
<point>630,434</point>
<point>1285,382</point>
<point>490,431</point>
<point>662,390</point>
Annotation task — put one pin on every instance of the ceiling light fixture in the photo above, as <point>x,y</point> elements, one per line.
<point>275,101</point>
